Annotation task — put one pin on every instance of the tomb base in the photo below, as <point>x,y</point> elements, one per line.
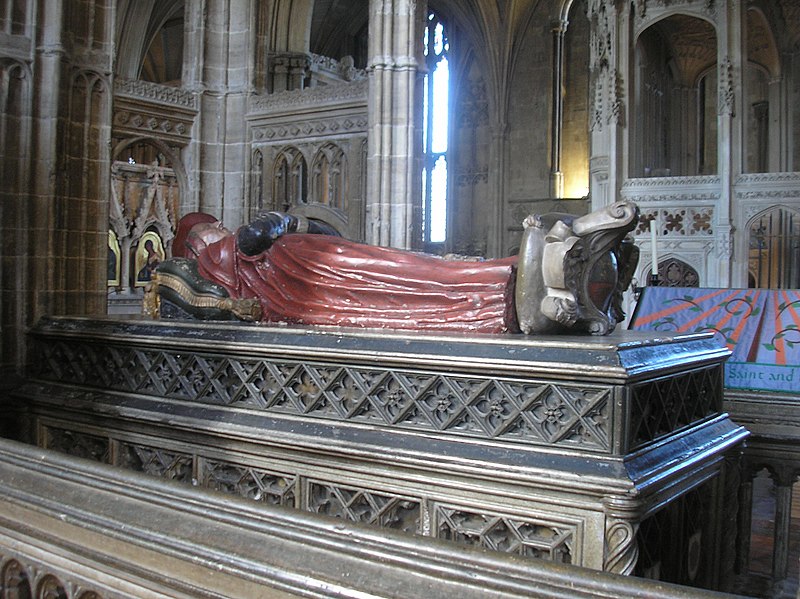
<point>611,453</point>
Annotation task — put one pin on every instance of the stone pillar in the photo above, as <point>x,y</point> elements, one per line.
<point>730,47</point>
<point>498,161</point>
<point>72,132</point>
<point>192,79</point>
<point>778,133</point>
<point>557,122</point>
<point>783,519</point>
<point>393,183</point>
<point>745,525</point>
<point>609,73</point>
<point>221,148</point>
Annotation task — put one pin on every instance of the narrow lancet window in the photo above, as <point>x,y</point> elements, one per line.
<point>436,118</point>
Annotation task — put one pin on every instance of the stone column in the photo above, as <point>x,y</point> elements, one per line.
<point>16,94</point>
<point>498,163</point>
<point>222,155</point>
<point>557,122</point>
<point>778,136</point>
<point>609,72</point>
<point>745,525</point>
<point>77,125</point>
<point>192,81</point>
<point>783,519</point>
<point>730,133</point>
<point>393,183</point>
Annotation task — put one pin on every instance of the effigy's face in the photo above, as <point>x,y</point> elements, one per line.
<point>204,234</point>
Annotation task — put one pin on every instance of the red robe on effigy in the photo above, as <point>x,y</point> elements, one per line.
<point>325,280</point>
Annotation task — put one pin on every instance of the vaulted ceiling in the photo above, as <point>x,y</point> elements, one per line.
<point>150,38</point>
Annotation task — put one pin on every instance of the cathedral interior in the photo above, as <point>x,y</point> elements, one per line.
<point>433,127</point>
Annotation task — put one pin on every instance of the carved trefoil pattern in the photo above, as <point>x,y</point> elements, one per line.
<point>156,462</point>
<point>522,536</point>
<point>78,444</point>
<point>365,506</point>
<point>529,411</point>
<point>246,481</point>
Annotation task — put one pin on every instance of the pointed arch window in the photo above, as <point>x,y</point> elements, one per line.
<point>289,175</point>
<point>774,250</point>
<point>329,176</point>
<point>436,101</point>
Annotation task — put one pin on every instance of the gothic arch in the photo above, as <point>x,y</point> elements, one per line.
<point>15,93</point>
<point>773,245</point>
<point>51,588</point>
<point>479,24</point>
<point>329,184</point>
<point>256,182</point>
<point>174,158</point>
<point>762,46</point>
<point>794,210</point>
<point>291,25</point>
<point>85,138</point>
<point>673,272</point>
<point>91,80</point>
<point>289,179</point>
<point>151,210</point>
<point>138,23</point>
<point>15,579</point>
<point>674,108</point>
<point>763,112</point>
<point>341,28</point>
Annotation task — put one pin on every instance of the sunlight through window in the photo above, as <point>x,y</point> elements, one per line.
<point>436,120</point>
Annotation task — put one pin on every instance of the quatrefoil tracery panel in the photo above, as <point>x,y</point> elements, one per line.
<point>488,407</point>
<point>522,536</point>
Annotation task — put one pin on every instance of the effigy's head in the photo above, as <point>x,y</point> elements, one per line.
<point>180,247</point>
<point>203,235</point>
<point>572,272</point>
